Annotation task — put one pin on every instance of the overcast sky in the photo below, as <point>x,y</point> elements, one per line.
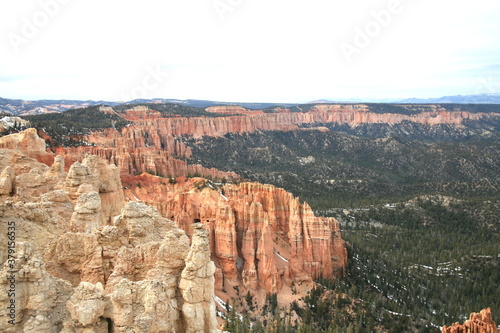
<point>248,50</point>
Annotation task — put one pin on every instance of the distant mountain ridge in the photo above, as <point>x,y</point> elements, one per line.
<point>25,107</point>
<point>460,99</point>
<point>455,99</point>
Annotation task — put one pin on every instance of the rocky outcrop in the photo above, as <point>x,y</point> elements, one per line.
<point>261,237</point>
<point>56,171</point>
<point>197,285</point>
<point>29,143</point>
<point>148,277</point>
<point>481,322</point>
<point>75,271</point>
<point>87,213</point>
<point>108,185</point>
<point>96,175</point>
<point>7,178</point>
<point>79,175</point>
<point>86,308</point>
<point>36,299</point>
<point>76,257</point>
<point>143,160</point>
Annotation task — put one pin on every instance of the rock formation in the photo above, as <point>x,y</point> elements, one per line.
<point>89,263</point>
<point>481,322</point>
<point>197,285</point>
<point>7,178</point>
<point>132,268</point>
<point>96,175</point>
<point>148,159</point>
<point>86,307</point>
<point>36,299</point>
<point>284,120</point>
<point>152,143</point>
<point>29,143</point>
<point>79,260</point>
<point>261,237</point>
<point>87,213</point>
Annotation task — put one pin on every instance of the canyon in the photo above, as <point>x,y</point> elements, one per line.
<point>96,245</point>
<point>153,141</point>
<point>283,119</point>
<point>262,239</point>
<point>132,225</point>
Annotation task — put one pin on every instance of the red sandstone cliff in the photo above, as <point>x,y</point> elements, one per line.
<point>261,237</point>
<point>481,322</point>
<point>150,144</point>
<point>141,160</point>
<point>286,121</point>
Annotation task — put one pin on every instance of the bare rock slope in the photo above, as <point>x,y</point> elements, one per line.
<point>77,259</point>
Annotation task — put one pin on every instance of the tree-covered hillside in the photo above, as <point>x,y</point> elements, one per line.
<point>333,169</point>
<point>168,110</point>
<point>419,207</point>
<point>69,128</point>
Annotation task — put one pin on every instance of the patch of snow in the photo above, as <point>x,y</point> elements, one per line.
<point>220,302</point>
<point>436,326</point>
<point>286,260</point>
<point>8,121</point>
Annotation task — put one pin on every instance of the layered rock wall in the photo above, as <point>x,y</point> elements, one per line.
<point>261,237</point>
<point>151,143</point>
<point>286,121</point>
<point>143,160</point>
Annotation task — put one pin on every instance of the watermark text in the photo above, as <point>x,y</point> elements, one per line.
<point>11,276</point>
<point>363,36</point>
<point>31,26</point>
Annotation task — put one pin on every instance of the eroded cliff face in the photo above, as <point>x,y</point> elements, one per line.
<point>151,143</point>
<point>261,237</point>
<point>481,322</point>
<point>284,120</point>
<point>80,259</point>
<point>140,160</point>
